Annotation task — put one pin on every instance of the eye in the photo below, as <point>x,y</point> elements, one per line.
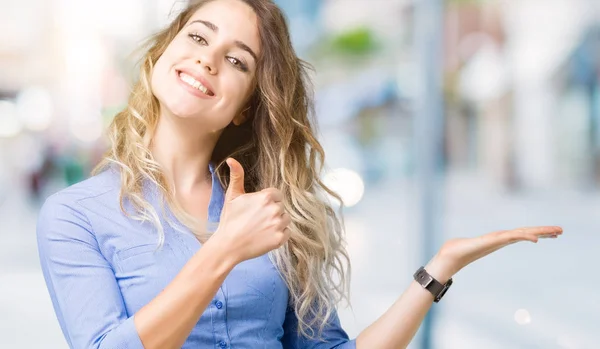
<point>238,63</point>
<point>199,39</point>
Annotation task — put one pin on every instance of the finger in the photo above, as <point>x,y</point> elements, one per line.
<point>542,230</point>
<point>285,220</point>
<point>527,233</point>
<point>273,194</point>
<point>552,236</point>
<point>277,210</point>
<point>284,237</point>
<point>236,180</point>
<point>492,242</point>
<point>534,233</point>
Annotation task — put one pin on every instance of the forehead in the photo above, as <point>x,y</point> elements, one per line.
<point>235,19</point>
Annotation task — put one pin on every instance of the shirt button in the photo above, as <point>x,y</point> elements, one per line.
<point>222,344</point>
<point>219,305</point>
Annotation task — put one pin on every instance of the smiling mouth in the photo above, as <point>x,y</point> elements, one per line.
<point>195,83</point>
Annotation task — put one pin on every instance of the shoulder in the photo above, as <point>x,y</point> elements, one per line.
<point>101,189</point>
<point>65,227</point>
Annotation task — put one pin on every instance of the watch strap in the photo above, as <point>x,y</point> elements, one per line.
<point>431,284</point>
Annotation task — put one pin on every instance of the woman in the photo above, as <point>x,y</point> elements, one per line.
<point>174,243</point>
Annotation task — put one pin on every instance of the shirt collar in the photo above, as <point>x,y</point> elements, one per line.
<point>217,198</point>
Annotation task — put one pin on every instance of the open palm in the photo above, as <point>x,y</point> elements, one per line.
<point>464,251</point>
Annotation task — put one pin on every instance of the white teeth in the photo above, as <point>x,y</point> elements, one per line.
<point>193,82</point>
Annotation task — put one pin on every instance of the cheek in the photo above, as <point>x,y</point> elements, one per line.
<point>237,91</point>
<point>162,68</point>
<point>159,76</point>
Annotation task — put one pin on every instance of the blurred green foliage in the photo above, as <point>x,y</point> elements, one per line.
<point>358,41</point>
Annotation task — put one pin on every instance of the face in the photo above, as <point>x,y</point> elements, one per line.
<point>207,71</point>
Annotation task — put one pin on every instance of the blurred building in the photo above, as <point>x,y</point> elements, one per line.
<point>521,120</point>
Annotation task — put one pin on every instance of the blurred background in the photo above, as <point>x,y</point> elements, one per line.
<point>440,119</point>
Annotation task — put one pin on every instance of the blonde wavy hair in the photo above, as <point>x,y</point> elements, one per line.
<point>277,148</point>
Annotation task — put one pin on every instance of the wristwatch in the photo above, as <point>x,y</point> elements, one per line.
<point>431,284</point>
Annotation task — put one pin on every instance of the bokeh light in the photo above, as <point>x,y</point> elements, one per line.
<point>35,108</point>
<point>347,184</point>
<point>10,124</point>
<point>522,317</point>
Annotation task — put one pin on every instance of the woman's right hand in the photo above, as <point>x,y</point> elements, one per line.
<point>251,224</point>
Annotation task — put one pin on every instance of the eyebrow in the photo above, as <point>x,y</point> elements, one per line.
<point>238,43</point>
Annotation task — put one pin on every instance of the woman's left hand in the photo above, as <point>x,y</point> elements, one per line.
<point>456,254</point>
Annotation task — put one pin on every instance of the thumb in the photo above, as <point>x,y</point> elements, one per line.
<point>236,180</point>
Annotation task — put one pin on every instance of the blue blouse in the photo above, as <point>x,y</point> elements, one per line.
<point>101,267</point>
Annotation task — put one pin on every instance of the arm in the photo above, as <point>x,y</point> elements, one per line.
<point>87,299</point>
<point>168,319</point>
<point>394,329</point>
<point>397,326</point>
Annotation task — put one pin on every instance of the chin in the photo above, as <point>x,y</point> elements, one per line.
<point>185,113</point>
<point>182,107</point>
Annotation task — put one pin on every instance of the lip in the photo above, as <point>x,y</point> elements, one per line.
<point>198,77</point>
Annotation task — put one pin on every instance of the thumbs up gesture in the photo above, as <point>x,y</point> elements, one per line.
<point>251,224</point>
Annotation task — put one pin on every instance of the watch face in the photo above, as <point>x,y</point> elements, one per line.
<point>425,279</point>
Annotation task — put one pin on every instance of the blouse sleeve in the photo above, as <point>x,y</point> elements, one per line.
<point>333,335</point>
<point>82,285</point>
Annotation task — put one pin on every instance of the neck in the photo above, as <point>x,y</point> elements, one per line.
<point>183,151</point>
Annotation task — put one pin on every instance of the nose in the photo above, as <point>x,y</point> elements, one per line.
<point>207,62</point>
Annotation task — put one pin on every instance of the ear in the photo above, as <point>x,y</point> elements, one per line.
<point>238,120</point>
<point>241,117</point>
